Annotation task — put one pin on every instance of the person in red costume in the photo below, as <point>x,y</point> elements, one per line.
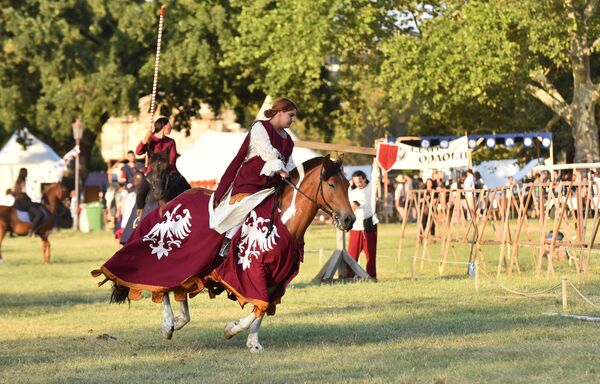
<point>158,141</point>
<point>264,158</point>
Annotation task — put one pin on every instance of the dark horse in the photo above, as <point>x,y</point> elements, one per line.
<point>55,214</point>
<point>160,186</point>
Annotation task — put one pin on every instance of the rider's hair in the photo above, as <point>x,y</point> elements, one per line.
<point>22,175</point>
<point>160,123</point>
<point>280,105</point>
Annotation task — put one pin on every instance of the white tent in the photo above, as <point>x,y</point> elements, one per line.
<point>39,159</point>
<point>495,173</point>
<point>207,158</point>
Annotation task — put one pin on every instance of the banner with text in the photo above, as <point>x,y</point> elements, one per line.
<point>402,156</point>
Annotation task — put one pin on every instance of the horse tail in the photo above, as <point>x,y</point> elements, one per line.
<point>120,294</point>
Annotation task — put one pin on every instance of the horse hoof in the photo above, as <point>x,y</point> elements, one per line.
<point>231,329</point>
<point>180,322</point>
<point>256,348</point>
<point>167,332</point>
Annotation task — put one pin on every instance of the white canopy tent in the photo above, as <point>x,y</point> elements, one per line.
<point>39,159</point>
<point>495,173</point>
<point>208,158</point>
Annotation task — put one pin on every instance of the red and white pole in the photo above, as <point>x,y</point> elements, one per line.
<point>156,66</point>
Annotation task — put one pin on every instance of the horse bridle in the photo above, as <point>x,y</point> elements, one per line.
<point>328,209</point>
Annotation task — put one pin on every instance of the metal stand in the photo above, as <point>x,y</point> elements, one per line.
<point>341,261</point>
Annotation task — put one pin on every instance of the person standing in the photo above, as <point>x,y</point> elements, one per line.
<point>129,169</point>
<point>469,187</point>
<point>400,198</point>
<point>363,236</point>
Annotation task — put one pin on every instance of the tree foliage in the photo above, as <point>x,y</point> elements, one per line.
<point>359,69</point>
<point>481,66</point>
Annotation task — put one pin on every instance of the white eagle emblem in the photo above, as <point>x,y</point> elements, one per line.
<point>170,232</point>
<point>254,240</point>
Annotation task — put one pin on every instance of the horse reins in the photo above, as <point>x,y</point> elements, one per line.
<point>329,209</point>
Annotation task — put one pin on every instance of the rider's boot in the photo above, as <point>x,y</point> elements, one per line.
<point>225,248</point>
<point>138,218</point>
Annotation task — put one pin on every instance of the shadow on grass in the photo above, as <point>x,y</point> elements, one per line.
<point>207,337</point>
<point>43,303</point>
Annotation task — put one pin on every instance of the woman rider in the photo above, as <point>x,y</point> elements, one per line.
<point>262,161</point>
<point>23,202</point>
<point>158,141</point>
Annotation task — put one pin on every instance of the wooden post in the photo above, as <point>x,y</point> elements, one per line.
<point>564,292</point>
<point>386,183</point>
<point>400,243</point>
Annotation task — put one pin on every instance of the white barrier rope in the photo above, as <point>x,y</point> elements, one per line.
<point>439,261</point>
<point>583,297</point>
<point>521,293</point>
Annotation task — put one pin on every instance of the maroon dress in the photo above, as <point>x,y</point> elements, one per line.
<point>244,175</point>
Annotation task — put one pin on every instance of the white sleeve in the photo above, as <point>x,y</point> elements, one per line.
<point>260,145</point>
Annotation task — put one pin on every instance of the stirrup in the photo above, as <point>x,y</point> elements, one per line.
<point>225,248</point>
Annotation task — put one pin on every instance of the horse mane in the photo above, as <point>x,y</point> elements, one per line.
<point>331,167</point>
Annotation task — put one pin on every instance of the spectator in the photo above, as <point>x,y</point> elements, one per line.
<point>400,197</point>
<point>363,236</point>
<point>430,197</point>
<point>129,169</point>
<point>469,186</point>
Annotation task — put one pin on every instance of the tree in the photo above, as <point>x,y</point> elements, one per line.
<point>323,54</point>
<point>489,58</point>
<point>69,59</point>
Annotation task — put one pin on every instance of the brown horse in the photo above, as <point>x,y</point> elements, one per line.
<point>52,204</point>
<point>316,184</point>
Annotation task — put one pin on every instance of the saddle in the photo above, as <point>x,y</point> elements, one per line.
<point>24,216</point>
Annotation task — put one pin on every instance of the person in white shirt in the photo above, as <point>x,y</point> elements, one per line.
<point>469,186</point>
<point>363,236</point>
<point>400,197</point>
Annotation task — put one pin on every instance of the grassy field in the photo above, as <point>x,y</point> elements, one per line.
<point>425,329</point>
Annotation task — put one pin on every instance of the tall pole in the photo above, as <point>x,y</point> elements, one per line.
<point>77,133</point>
<point>155,77</point>
<point>76,223</point>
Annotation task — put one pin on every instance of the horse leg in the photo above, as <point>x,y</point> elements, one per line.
<point>2,233</point>
<point>167,325</point>
<point>45,249</point>
<point>252,343</point>
<point>232,328</point>
<point>184,315</point>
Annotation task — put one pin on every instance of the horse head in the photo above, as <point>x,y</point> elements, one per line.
<point>54,194</point>
<point>159,177</point>
<point>333,196</point>
<point>318,183</point>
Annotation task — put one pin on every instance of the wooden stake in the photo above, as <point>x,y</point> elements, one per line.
<point>476,276</point>
<point>564,282</point>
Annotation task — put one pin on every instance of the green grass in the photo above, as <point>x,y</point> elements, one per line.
<point>426,329</point>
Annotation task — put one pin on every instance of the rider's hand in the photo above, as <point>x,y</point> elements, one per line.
<point>147,137</point>
<point>283,174</point>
